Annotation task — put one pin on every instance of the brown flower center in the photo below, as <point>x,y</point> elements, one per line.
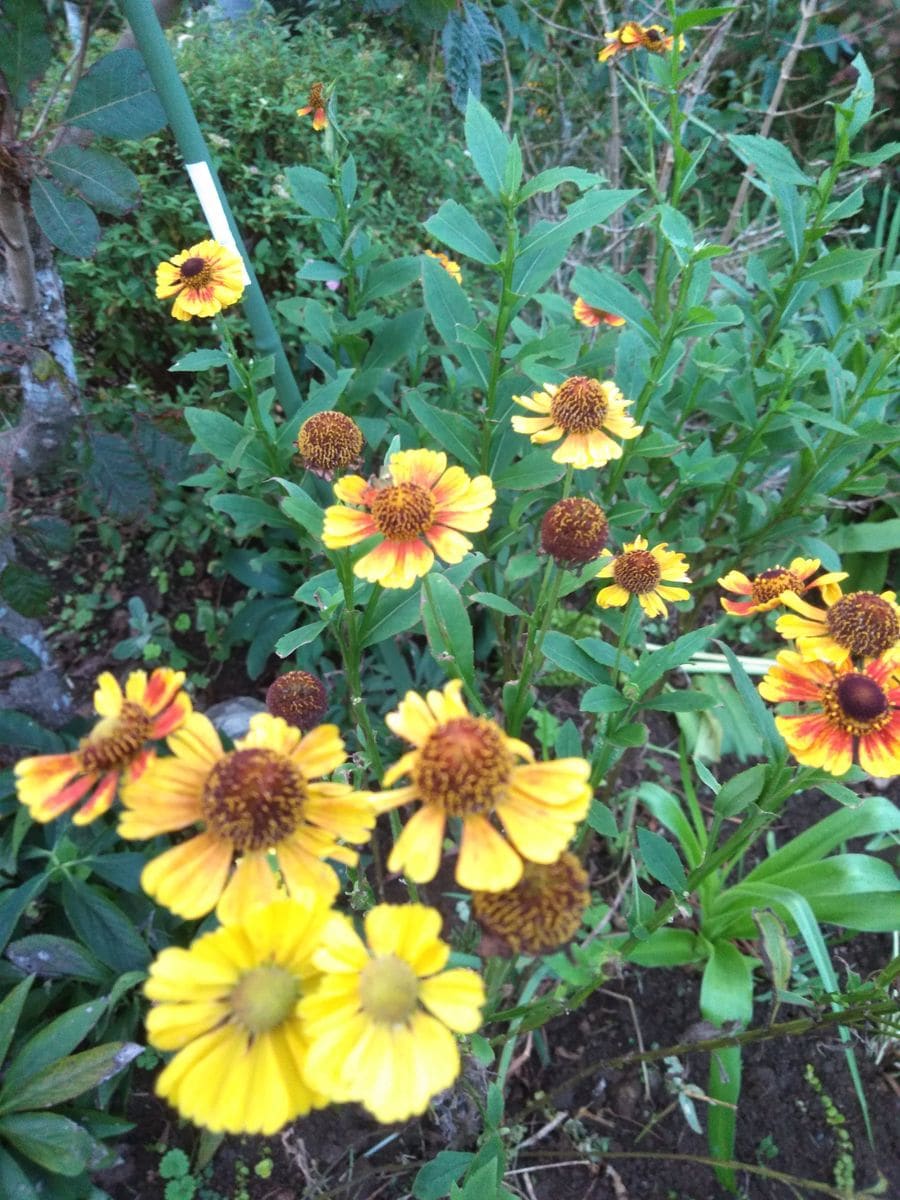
<point>192,267</point>
<point>299,697</point>
<point>253,798</point>
<point>580,405</point>
<point>637,571</point>
<point>463,767</point>
<point>388,989</point>
<point>403,512</point>
<point>316,98</point>
<point>329,441</point>
<point>115,742</point>
<point>856,704</point>
<point>264,998</point>
<point>863,623</point>
<point>574,531</point>
<point>768,585</point>
<point>542,912</point>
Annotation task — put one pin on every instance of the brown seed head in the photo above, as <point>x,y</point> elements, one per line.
<point>542,912</point>
<point>580,405</point>
<point>403,511</point>
<point>115,742</point>
<point>328,442</point>
<point>463,767</point>
<point>768,585</point>
<point>637,571</point>
<point>299,697</point>
<point>253,798</point>
<point>574,531</point>
<point>864,624</point>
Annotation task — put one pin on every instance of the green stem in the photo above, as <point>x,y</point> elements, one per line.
<point>446,638</point>
<point>505,310</point>
<point>351,648</point>
<point>545,605</point>
<point>248,387</point>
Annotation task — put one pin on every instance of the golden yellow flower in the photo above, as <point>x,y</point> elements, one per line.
<point>256,800</point>
<point>542,912</point>
<point>859,624</point>
<point>467,767</point>
<point>764,591</point>
<point>115,751</point>
<point>315,104</point>
<point>633,36</point>
<point>418,511</point>
<point>848,706</point>
<point>578,411</point>
<point>379,1023</point>
<point>452,268</point>
<point>228,1006</point>
<point>328,442</point>
<point>647,574</point>
<point>592,317</point>
<point>204,280</point>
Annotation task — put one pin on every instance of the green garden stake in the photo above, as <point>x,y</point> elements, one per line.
<point>151,42</point>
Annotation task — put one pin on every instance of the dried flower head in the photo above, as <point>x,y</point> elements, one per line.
<point>574,531</point>
<point>542,912</point>
<point>328,442</point>
<point>315,104</point>
<point>299,697</point>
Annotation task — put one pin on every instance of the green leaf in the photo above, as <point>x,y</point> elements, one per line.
<point>117,477</point>
<point>215,433</point>
<point>468,41</point>
<point>569,655</point>
<point>661,860</point>
<point>247,512</point>
<point>549,180</point>
<point>455,226</point>
<point>448,628</point>
<point>390,277</point>
<point>10,1011</point>
<point>777,954</point>
<point>102,179</point>
<point>67,221</point>
<point>791,209</point>
<point>681,701</point>
<point>71,1077</point>
<point>861,100</point>
<point>289,642</point>
<point>450,430</point>
<point>602,698</point>
<point>25,590</point>
<point>451,311</point>
<point>200,360</point>
<point>498,604</point>
<point>14,1183</point>
<point>837,266</point>
<point>759,715</point>
<point>14,902</point>
<point>299,506</point>
<point>875,814</point>
<point>668,810</point>
<point>772,160</point>
<point>116,98</point>
<point>601,820</point>
<point>603,289</point>
<point>533,471</point>
<point>393,338</point>
<point>590,210</point>
<point>25,49</point>
<point>700,16</point>
<point>868,537</point>
<point>53,1042</point>
<point>51,1141</point>
<point>103,927</point>
<point>312,191</point>
<point>654,664</point>
<point>628,736</point>
<point>487,144</point>
<point>54,957</point>
<point>432,1182</point>
<point>740,791</point>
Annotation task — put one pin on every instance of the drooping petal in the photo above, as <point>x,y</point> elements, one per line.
<point>190,878</point>
<point>487,862</point>
<point>417,851</point>
<point>455,997</point>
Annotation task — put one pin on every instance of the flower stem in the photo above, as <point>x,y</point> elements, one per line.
<point>248,387</point>
<point>505,309</point>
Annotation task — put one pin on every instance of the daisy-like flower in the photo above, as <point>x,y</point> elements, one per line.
<point>418,511</point>
<point>647,574</point>
<point>633,36</point>
<point>765,590</point>
<point>114,752</point>
<point>379,1023</point>
<point>254,800</point>
<point>228,1007</point>
<point>574,531</point>
<point>860,625</point>
<point>315,104</point>
<point>204,280</point>
<point>328,442</point>
<point>847,707</point>
<point>592,317</point>
<point>452,268</point>
<point>542,912</point>
<point>579,411</point>
<point>467,767</point>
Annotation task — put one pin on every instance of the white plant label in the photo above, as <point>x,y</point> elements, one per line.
<point>202,180</point>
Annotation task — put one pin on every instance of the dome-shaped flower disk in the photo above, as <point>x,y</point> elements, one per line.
<point>255,800</point>
<point>452,268</point>
<point>299,697</point>
<point>315,105</point>
<point>574,531</point>
<point>647,574</point>
<point>858,625</point>
<point>328,442</point>
<point>542,912</point>
<point>847,707</point>
<point>418,512</point>
<point>115,751</point>
<point>228,1007</point>
<point>765,590</point>
<point>467,767</point>
<point>633,36</point>
<point>203,279</point>
<point>579,411</point>
<point>379,1023</point>
<point>592,317</point>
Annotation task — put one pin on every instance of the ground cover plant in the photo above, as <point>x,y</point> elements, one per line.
<point>562,594</point>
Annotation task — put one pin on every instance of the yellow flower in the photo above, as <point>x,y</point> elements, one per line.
<point>579,410</point>
<point>764,591</point>
<point>860,624</point>
<point>592,317</point>
<point>452,268</point>
<point>646,574</point>
<point>204,280</point>
<point>634,36</point>
<point>315,104</point>
<point>848,706</point>
<point>379,1024</point>
<point>228,1006</point>
<point>253,800</point>
<point>466,767</point>
<point>542,912</point>
<point>114,752</point>
<point>417,511</point>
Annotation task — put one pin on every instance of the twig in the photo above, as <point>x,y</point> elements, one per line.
<point>614,155</point>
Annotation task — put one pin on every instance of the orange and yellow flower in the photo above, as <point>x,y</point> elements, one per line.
<point>765,590</point>
<point>847,707</point>
<point>578,411</point>
<point>418,511</point>
<point>203,279</point>
<point>315,104</point>
<point>647,574</point>
<point>452,268</point>
<point>633,36</point>
<point>379,1023</point>
<point>592,317</point>
<point>466,767</point>
<point>255,801</point>
<point>115,751</point>
<point>860,624</point>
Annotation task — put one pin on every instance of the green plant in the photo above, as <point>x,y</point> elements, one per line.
<point>844,1168</point>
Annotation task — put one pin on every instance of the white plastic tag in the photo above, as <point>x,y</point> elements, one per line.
<point>202,180</point>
